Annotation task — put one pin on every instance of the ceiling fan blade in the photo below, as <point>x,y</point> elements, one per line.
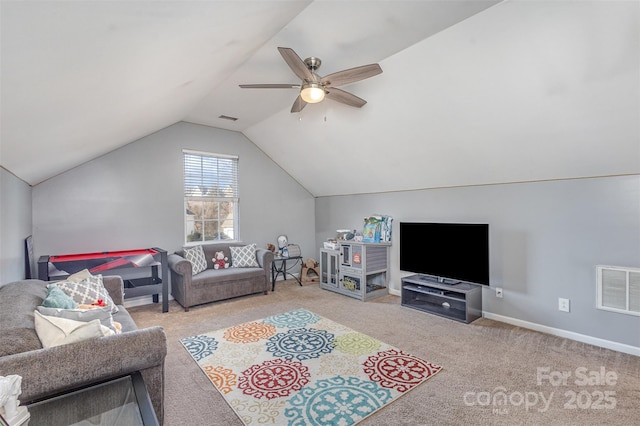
<point>344,97</point>
<point>296,64</point>
<point>351,75</point>
<point>298,105</point>
<point>270,86</point>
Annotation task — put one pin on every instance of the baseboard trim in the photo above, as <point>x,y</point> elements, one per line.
<point>607,344</point>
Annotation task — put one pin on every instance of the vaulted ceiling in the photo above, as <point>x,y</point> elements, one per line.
<point>472,92</point>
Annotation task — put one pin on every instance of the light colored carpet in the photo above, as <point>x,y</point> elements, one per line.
<point>481,360</point>
<point>303,369</point>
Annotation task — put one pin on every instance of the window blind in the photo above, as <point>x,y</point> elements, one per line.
<point>210,175</point>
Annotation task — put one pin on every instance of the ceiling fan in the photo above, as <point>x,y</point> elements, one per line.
<point>314,88</point>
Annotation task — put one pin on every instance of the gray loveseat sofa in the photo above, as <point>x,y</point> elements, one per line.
<point>212,284</point>
<point>49,371</point>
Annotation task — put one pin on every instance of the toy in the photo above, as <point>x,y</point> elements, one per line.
<point>282,241</point>
<point>310,271</point>
<point>220,261</point>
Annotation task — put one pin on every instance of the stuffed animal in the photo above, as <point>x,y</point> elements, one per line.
<point>220,261</point>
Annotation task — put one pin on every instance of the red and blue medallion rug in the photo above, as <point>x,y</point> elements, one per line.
<point>298,368</point>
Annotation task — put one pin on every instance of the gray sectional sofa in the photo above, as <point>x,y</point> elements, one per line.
<point>212,285</point>
<point>49,371</point>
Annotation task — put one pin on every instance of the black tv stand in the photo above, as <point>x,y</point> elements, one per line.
<point>439,280</point>
<point>462,302</point>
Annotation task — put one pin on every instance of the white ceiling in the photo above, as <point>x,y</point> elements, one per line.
<point>472,92</point>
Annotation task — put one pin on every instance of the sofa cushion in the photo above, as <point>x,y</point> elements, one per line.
<point>244,257</point>
<point>124,319</point>
<point>222,276</point>
<point>18,300</point>
<point>195,255</point>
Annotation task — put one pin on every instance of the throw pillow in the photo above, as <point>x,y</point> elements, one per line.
<point>85,315</point>
<point>88,291</point>
<point>80,276</point>
<point>195,255</point>
<point>56,298</point>
<point>244,257</point>
<point>53,331</point>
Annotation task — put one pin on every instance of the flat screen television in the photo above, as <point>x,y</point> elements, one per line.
<point>447,252</point>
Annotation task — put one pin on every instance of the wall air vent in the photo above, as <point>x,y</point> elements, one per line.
<point>226,117</point>
<point>618,289</point>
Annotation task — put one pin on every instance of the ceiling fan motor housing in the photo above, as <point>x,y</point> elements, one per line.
<point>313,63</point>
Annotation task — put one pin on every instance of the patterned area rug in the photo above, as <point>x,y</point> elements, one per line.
<point>299,368</point>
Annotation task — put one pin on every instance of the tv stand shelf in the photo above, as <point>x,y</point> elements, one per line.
<point>460,302</point>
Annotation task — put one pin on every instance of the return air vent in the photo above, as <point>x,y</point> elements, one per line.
<point>619,289</point>
<point>227,117</point>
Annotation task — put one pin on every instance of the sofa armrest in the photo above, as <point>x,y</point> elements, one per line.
<point>179,264</point>
<point>265,259</point>
<point>181,271</point>
<point>50,371</point>
<point>115,287</point>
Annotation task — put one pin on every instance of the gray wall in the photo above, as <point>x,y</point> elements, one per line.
<point>545,240</point>
<point>546,237</point>
<point>133,198</point>
<point>15,225</point>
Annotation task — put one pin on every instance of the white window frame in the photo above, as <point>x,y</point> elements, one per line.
<point>234,197</point>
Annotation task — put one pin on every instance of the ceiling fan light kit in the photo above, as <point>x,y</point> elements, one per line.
<point>312,93</point>
<point>313,88</point>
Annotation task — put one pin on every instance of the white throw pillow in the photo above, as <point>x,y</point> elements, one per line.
<point>80,276</point>
<point>195,255</point>
<point>88,291</point>
<point>54,331</point>
<point>244,257</point>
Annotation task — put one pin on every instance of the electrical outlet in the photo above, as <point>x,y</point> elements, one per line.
<point>499,292</point>
<point>563,304</point>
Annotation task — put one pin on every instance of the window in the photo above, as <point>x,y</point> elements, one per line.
<point>210,197</point>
